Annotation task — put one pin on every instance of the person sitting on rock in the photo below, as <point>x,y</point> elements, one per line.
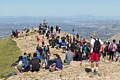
<point>57,64</point>
<point>18,68</point>
<point>35,63</point>
<point>69,56</point>
<point>13,34</point>
<point>25,61</point>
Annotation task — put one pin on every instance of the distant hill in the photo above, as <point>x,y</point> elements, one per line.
<point>85,25</point>
<point>24,19</point>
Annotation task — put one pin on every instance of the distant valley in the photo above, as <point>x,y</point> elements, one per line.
<point>106,28</point>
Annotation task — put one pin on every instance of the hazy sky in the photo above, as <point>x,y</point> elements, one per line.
<point>59,7</point>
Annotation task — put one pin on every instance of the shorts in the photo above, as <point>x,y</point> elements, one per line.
<point>95,57</point>
<point>64,48</point>
<point>104,54</point>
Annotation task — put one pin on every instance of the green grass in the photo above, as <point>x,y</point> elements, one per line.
<point>9,52</point>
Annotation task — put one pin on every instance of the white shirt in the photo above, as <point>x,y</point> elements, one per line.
<point>92,43</point>
<point>20,63</point>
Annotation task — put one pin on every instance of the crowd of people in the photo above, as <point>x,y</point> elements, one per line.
<point>16,33</point>
<point>74,48</point>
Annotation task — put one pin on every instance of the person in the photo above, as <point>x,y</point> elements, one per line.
<point>13,33</point>
<point>18,68</point>
<point>118,52</point>
<point>59,29</point>
<point>86,50</point>
<point>69,56</point>
<point>112,48</point>
<point>56,29</point>
<point>95,52</point>
<point>38,48</point>
<point>44,48</point>
<point>79,56</point>
<point>64,46</point>
<point>35,63</point>
<point>60,41</point>
<point>44,59</point>
<point>104,51</point>
<point>47,34</point>
<point>57,63</point>
<point>16,32</point>
<point>38,54</point>
<point>38,39</point>
<point>77,36</point>
<point>25,61</point>
<point>52,43</point>
<point>51,29</point>
<point>43,41</point>
<point>48,48</point>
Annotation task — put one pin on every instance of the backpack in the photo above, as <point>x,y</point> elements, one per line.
<point>97,46</point>
<point>86,49</point>
<point>106,49</point>
<point>45,48</point>
<point>111,47</point>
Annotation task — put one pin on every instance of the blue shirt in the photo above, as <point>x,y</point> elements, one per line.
<point>58,63</point>
<point>38,56</point>
<point>63,44</point>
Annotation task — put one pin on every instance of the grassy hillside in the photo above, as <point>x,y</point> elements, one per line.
<point>8,54</point>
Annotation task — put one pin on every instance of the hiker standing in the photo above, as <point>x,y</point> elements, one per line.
<point>118,52</point>
<point>112,49</point>
<point>95,52</point>
<point>43,41</point>
<point>59,29</point>
<point>16,33</point>
<point>56,29</point>
<point>51,29</point>
<point>104,51</point>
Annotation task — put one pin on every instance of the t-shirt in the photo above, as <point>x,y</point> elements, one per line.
<point>63,44</point>
<point>60,40</point>
<point>35,63</point>
<point>114,46</point>
<point>25,61</point>
<point>20,63</point>
<point>69,56</point>
<point>58,63</point>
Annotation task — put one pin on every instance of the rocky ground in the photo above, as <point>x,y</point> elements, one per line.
<point>74,71</point>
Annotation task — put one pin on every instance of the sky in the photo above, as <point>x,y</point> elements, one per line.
<point>59,8</point>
